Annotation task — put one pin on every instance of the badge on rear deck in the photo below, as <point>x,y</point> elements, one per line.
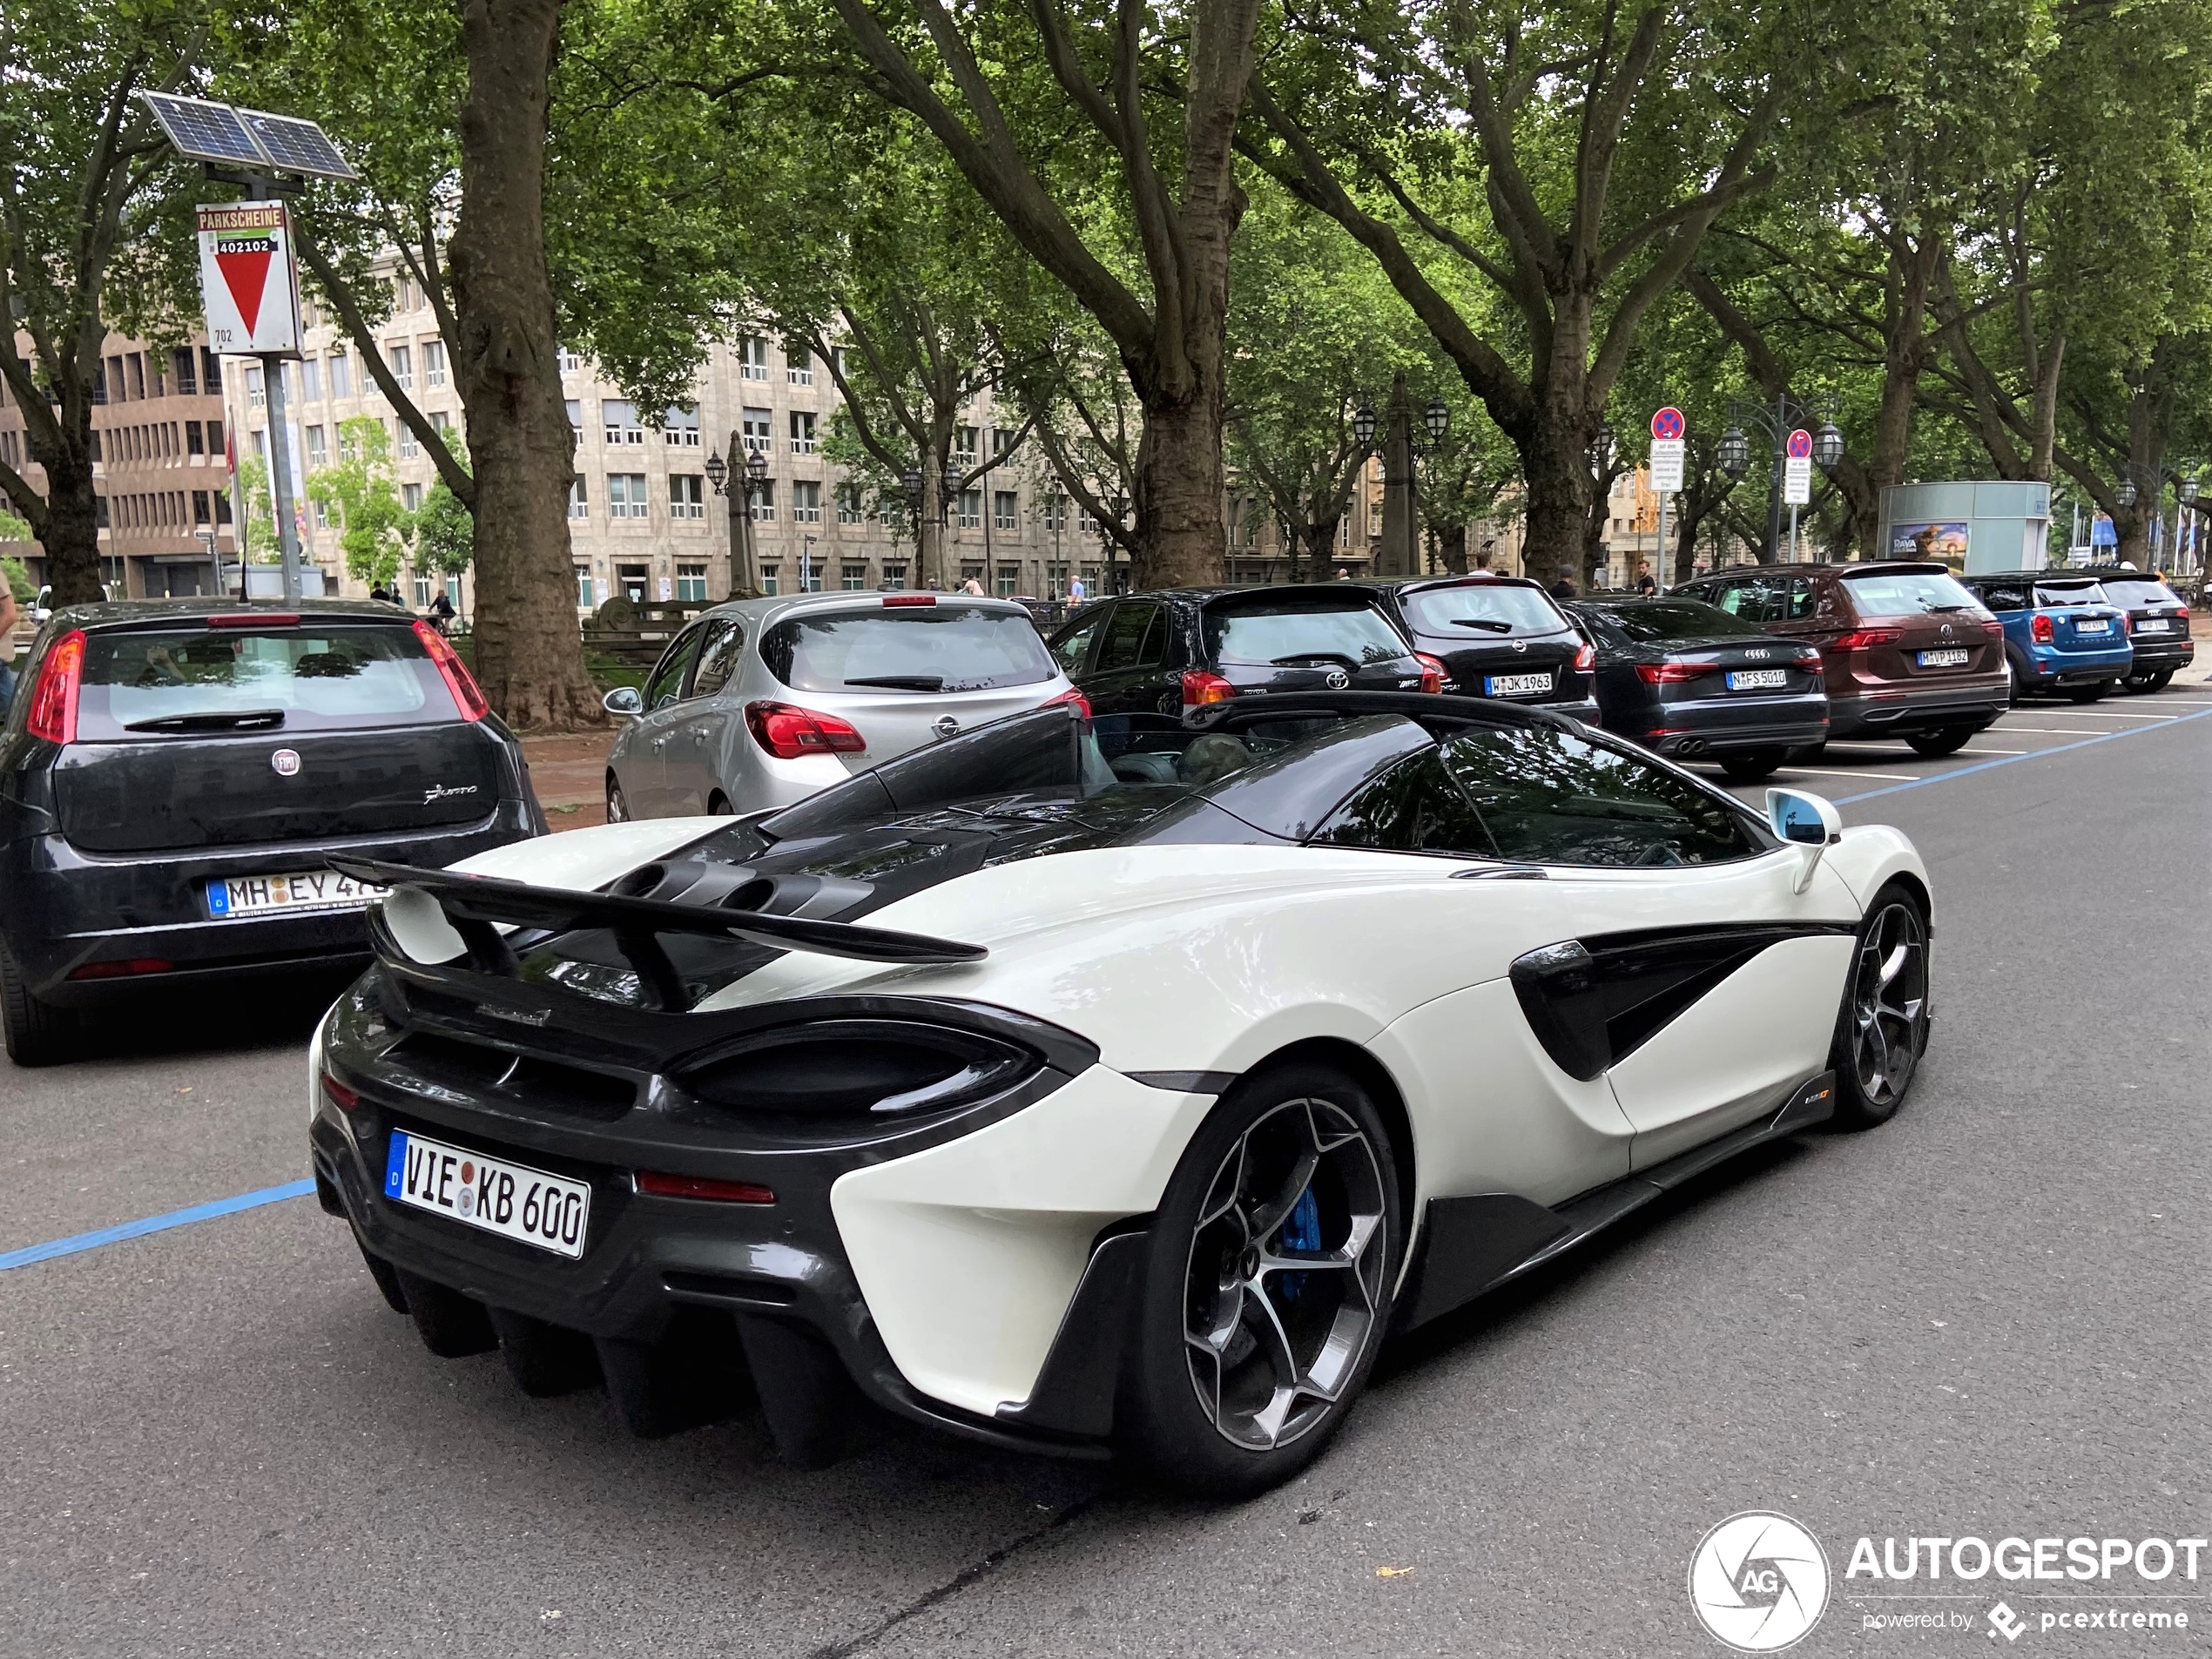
<point>946,726</point>
<point>286,763</point>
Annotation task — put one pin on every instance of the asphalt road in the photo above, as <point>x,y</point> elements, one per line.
<point>1987,1318</point>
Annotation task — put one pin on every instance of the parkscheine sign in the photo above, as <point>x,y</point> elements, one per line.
<point>249,284</point>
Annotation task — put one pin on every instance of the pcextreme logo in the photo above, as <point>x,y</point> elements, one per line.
<point>1759,1582</point>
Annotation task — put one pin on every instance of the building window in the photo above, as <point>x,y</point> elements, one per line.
<point>802,433</point>
<point>341,376</point>
<point>310,379</point>
<point>758,431</point>
<point>1009,582</point>
<point>257,396</point>
<point>196,438</point>
<point>806,503</point>
<point>211,372</point>
<point>856,578</point>
<point>752,359</point>
<point>409,448</point>
<point>764,504</point>
<point>411,497</point>
<point>964,446</point>
<point>322,514</point>
<point>1005,509</point>
<point>686,496</point>
<point>799,362</point>
<point>837,358</point>
<point>452,591</point>
<point>402,364</point>
<point>971,573</point>
<point>137,360</point>
<point>575,416</point>
<point>317,454</point>
<point>690,584</point>
<point>770,580</point>
<point>579,504</point>
<point>434,363</point>
<point>215,438</point>
<point>185,372</point>
<point>619,421</point>
<point>848,505</point>
<point>586,596</point>
<point>971,509</point>
<point>681,427</point>
<point>201,513</point>
<point>1055,513</point>
<point>626,495</point>
<point>442,420</point>
<point>894,576</point>
<point>570,361</point>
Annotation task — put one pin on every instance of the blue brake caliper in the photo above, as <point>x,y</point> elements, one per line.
<point>1301,1236</point>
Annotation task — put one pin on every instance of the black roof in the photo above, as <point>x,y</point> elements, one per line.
<point>1468,578</point>
<point>125,613</point>
<point>2049,578</point>
<point>2101,573</point>
<point>1839,567</point>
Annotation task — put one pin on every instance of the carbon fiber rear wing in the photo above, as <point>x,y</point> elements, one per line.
<point>474,905</point>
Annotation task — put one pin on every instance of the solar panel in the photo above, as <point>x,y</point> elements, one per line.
<point>204,131</point>
<point>297,145</point>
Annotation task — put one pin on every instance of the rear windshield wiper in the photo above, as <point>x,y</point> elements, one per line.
<point>903,682</point>
<point>1938,610</point>
<point>1490,622</point>
<point>1299,659</point>
<point>222,720</point>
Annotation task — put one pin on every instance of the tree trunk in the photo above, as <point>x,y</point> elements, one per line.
<point>70,535</point>
<point>1558,480</point>
<point>1454,539</point>
<point>929,535</point>
<point>1179,529</point>
<point>529,656</point>
<point>2047,406</point>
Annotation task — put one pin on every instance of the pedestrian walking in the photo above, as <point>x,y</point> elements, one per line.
<point>1562,589</point>
<point>972,585</point>
<point>1078,595</point>
<point>441,611</point>
<point>1646,585</point>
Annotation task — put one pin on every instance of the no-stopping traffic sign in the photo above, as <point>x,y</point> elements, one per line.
<point>1668,424</point>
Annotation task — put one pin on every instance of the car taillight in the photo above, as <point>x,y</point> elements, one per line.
<point>1200,688</point>
<point>1432,671</point>
<point>2126,623</point>
<point>1865,639</point>
<point>1673,673</point>
<point>128,968</point>
<point>2181,615</point>
<point>53,701</point>
<point>662,1185</point>
<point>790,733</point>
<point>892,601</point>
<point>467,696</point>
<point>2042,630</point>
<point>255,619</point>
<point>1072,698</point>
<point>346,1099</point>
<point>1586,658</point>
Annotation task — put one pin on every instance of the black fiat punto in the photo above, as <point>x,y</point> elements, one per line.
<point>175,773</point>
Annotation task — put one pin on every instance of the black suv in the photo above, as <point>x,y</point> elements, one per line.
<point>1186,647</point>
<point>1498,636</point>
<point>2158,623</point>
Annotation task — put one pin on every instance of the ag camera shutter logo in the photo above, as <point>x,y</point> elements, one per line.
<point>1759,1582</point>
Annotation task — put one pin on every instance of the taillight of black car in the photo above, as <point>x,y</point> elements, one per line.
<point>52,714</point>
<point>859,1071</point>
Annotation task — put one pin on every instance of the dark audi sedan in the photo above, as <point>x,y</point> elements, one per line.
<point>175,775</point>
<point>1154,653</point>
<point>1688,680</point>
<point>1498,636</point>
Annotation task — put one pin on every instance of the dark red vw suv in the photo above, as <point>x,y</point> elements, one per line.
<point>1906,649</point>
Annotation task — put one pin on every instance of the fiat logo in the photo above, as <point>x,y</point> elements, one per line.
<point>285,763</point>
<point>1337,680</point>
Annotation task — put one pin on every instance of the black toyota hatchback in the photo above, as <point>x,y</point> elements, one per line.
<point>1688,680</point>
<point>1498,636</point>
<point>1153,653</point>
<point>174,776</point>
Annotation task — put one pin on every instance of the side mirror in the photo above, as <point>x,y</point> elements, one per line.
<point>623,700</point>
<point>1806,821</point>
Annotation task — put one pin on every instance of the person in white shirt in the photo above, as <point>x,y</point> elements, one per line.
<point>1077,592</point>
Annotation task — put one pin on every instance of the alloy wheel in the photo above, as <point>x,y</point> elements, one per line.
<point>1889,1003</point>
<point>1285,1274</point>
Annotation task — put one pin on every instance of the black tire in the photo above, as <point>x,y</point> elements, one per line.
<point>2137,685</point>
<point>1256,1411</point>
<point>1948,741</point>
<point>1752,765</point>
<point>1882,1029</point>
<point>38,1034</point>
<point>2161,680</point>
<point>617,806</point>
<point>2087,693</point>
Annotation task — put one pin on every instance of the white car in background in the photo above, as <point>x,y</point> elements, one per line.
<point>762,702</point>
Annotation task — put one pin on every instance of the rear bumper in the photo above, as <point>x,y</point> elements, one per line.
<point>2155,654</point>
<point>1728,724</point>
<point>62,910</point>
<point>2047,666</point>
<point>1913,708</point>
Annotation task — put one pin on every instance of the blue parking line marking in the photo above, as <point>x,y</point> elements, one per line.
<point>76,1242</point>
<point>2014,760</point>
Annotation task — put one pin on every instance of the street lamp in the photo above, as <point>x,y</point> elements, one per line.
<point>1437,419</point>
<point>1776,421</point>
<point>1827,446</point>
<point>716,470</point>
<point>2125,493</point>
<point>1736,453</point>
<point>1363,426</point>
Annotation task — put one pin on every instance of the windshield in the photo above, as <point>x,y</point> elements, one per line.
<point>1904,593</point>
<point>2137,592</point>
<point>2050,594</point>
<point>1350,631</point>
<point>914,648</point>
<point>182,681</point>
<point>1664,622</point>
<point>1481,608</point>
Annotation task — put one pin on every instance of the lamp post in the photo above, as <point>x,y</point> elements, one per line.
<point>738,485</point>
<point>1402,447</point>
<point>2185,492</point>
<point>1775,423</point>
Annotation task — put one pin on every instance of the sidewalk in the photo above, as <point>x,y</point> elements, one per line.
<point>569,774</point>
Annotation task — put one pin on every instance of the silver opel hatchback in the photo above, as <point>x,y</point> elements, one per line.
<point>762,702</point>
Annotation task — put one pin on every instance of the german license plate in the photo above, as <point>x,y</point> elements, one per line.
<point>1516,684</point>
<point>2154,626</point>
<point>1757,679</point>
<point>489,1194</point>
<point>2086,626</point>
<point>1943,659</point>
<point>229,897</point>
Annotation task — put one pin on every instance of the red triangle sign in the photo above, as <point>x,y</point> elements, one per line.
<point>245,274</point>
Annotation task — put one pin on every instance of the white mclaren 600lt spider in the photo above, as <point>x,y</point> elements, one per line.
<point>1103,1086</point>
